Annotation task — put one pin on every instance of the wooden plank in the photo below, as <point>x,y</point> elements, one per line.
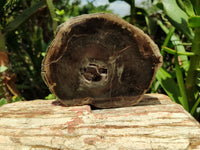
<point>155,123</point>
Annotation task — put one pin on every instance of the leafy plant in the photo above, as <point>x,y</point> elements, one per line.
<point>24,60</point>
<point>17,98</point>
<point>50,96</point>
<point>3,101</point>
<point>183,17</point>
<point>3,68</point>
<point>26,30</point>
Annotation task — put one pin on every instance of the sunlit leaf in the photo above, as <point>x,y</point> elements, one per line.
<point>179,75</point>
<point>198,80</point>
<point>195,106</point>
<point>43,54</point>
<point>173,52</point>
<point>50,96</point>
<point>186,6</point>
<point>177,17</point>
<point>3,68</point>
<point>169,85</point>
<point>176,42</point>
<point>194,21</point>
<point>60,12</point>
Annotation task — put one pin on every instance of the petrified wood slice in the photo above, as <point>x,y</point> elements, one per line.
<point>100,59</point>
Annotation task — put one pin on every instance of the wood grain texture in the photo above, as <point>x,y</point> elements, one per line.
<point>155,123</point>
<point>102,57</point>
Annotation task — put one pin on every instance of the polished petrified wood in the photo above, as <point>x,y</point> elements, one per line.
<point>101,60</point>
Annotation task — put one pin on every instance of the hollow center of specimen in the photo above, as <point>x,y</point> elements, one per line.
<point>94,72</point>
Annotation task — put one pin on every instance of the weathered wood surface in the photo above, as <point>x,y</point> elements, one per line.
<point>155,123</point>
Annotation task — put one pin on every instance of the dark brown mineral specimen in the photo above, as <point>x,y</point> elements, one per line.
<point>101,60</point>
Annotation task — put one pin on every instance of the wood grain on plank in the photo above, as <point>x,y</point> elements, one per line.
<point>155,123</point>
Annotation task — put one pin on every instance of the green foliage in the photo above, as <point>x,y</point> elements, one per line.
<point>14,24</point>
<point>3,101</point>
<point>50,96</point>
<point>186,6</point>
<point>3,68</point>
<point>180,81</point>
<point>75,9</point>
<point>194,21</point>
<point>17,99</point>
<point>14,99</point>
<point>177,17</point>
<point>168,84</point>
<point>52,13</point>
<point>28,27</point>
<point>171,51</point>
<point>90,8</point>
